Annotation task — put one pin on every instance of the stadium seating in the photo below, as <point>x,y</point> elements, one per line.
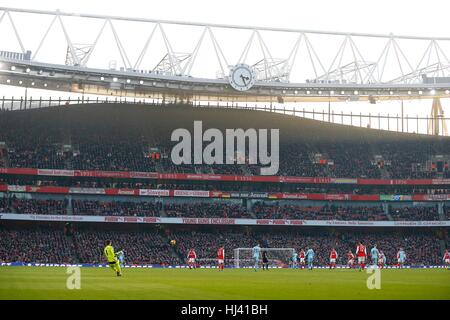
<point>100,140</point>
<point>140,247</point>
<point>35,245</point>
<point>118,138</point>
<point>213,209</point>
<point>327,212</point>
<point>45,245</point>
<point>206,210</point>
<point>415,213</point>
<point>115,208</point>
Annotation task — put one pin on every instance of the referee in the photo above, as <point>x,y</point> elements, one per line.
<point>265,260</point>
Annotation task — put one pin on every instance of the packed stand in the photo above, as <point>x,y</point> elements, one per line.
<point>415,214</point>
<point>37,245</point>
<point>206,210</point>
<point>328,212</point>
<point>37,206</point>
<point>139,247</point>
<point>341,160</point>
<point>152,247</point>
<point>116,208</point>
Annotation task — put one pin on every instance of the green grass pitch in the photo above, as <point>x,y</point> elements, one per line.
<point>185,284</point>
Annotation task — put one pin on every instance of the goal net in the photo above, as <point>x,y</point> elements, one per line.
<point>277,257</point>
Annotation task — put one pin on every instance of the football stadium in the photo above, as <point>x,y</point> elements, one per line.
<point>123,179</point>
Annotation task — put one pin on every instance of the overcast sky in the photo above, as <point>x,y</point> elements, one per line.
<point>419,18</point>
<point>427,18</point>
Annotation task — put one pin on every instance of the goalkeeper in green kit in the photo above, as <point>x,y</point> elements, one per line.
<point>112,259</point>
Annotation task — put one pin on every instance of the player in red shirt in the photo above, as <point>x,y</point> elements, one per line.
<point>447,259</point>
<point>381,260</point>
<point>221,258</point>
<point>350,259</point>
<point>301,257</point>
<point>333,258</point>
<point>361,253</point>
<point>191,258</point>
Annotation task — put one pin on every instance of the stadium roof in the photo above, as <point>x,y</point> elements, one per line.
<point>365,66</point>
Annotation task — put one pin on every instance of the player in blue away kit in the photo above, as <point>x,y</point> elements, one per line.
<point>121,256</point>
<point>401,257</point>
<point>256,250</point>
<point>294,259</point>
<point>374,253</point>
<point>310,258</point>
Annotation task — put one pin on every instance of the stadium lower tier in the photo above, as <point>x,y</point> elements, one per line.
<point>32,242</point>
<point>231,208</point>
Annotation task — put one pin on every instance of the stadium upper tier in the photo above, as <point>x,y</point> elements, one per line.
<point>121,137</point>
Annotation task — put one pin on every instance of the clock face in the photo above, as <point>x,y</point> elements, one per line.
<point>242,77</point>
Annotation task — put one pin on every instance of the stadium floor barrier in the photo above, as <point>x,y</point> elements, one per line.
<point>150,266</point>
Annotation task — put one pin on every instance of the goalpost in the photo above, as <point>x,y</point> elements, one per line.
<point>277,257</point>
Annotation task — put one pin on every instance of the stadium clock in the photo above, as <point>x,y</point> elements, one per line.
<point>242,77</point>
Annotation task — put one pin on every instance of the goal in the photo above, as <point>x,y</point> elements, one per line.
<point>277,257</point>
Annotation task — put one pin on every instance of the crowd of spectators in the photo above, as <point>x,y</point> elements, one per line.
<point>28,155</point>
<point>116,208</point>
<point>147,247</point>
<point>415,213</point>
<point>328,212</point>
<point>447,212</point>
<point>341,160</point>
<point>33,206</point>
<point>4,205</point>
<point>420,248</point>
<point>118,137</point>
<point>35,245</point>
<point>223,209</point>
<point>46,245</point>
<point>206,210</point>
<point>207,243</point>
